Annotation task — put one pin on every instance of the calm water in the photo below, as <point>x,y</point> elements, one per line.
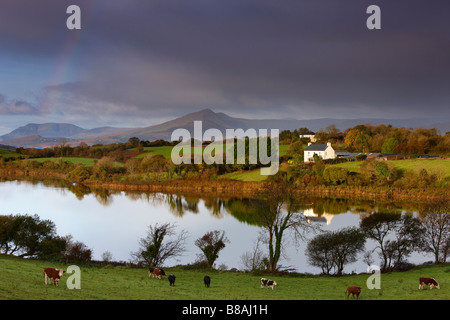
<point>115,222</point>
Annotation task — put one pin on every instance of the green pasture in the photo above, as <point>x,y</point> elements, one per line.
<point>88,162</point>
<point>166,151</point>
<point>252,175</point>
<point>24,279</point>
<point>441,166</point>
<point>9,154</point>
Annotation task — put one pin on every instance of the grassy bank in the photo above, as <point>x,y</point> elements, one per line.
<point>23,279</point>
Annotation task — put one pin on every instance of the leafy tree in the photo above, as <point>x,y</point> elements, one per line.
<point>396,235</point>
<point>77,252</point>
<point>333,250</point>
<point>160,244</point>
<point>211,243</point>
<point>390,144</point>
<point>357,140</point>
<point>23,235</point>
<point>335,175</point>
<point>80,173</point>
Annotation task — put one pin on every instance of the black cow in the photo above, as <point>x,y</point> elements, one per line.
<point>267,283</point>
<point>207,281</point>
<point>171,278</point>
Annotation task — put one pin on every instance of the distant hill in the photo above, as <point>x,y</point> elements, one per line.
<point>221,121</point>
<point>45,130</point>
<point>35,141</point>
<point>40,135</point>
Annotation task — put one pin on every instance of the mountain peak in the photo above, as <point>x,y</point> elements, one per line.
<point>206,111</point>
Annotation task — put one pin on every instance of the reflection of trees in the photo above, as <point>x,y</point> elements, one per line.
<point>103,196</point>
<point>331,206</point>
<point>179,205</point>
<point>244,210</point>
<point>214,205</point>
<point>80,190</point>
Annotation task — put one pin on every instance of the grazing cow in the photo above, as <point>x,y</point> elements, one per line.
<point>428,282</point>
<point>171,278</point>
<point>267,283</point>
<point>52,273</point>
<point>207,281</point>
<point>353,290</point>
<point>156,273</point>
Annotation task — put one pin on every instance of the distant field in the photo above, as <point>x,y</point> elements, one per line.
<point>7,154</point>
<point>253,175</point>
<point>166,151</point>
<point>23,280</point>
<point>408,164</point>
<point>88,162</point>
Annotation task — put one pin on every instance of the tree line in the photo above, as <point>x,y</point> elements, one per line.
<point>377,138</point>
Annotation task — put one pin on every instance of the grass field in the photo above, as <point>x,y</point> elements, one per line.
<point>432,166</point>
<point>9,154</point>
<point>24,279</point>
<point>253,175</point>
<point>88,162</point>
<point>167,150</point>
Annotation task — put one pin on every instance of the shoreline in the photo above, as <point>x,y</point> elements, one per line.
<point>249,189</point>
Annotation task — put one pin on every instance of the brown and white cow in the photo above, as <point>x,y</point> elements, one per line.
<point>52,273</point>
<point>156,273</point>
<point>428,282</point>
<point>267,283</point>
<point>353,290</point>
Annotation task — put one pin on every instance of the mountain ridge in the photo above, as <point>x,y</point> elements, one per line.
<point>74,135</point>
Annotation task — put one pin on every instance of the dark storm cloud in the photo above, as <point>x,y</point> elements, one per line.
<point>263,58</point>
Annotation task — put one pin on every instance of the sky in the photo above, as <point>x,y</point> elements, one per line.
<point>138,63</point>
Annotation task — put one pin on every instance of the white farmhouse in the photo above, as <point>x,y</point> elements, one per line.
<point>324,151</point>
<point>310,135</point>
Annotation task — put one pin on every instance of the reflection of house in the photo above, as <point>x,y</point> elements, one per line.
<point>323,151</point>
<point>314,217</point>
<point>310,135</point>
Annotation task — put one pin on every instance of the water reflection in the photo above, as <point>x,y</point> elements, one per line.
<point>114,221</point>
<point>241,208</point>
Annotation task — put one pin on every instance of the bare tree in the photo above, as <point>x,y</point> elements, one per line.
<point>254,260</point>
<point>161,243</point>
<point>435,237</point>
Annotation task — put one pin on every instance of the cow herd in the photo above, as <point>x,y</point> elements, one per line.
<point>159,273</point>
<point>56,274</point>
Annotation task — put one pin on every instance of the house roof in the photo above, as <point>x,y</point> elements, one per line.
<point>316,147</point>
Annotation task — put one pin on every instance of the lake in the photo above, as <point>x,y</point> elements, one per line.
<point>115,221</point>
